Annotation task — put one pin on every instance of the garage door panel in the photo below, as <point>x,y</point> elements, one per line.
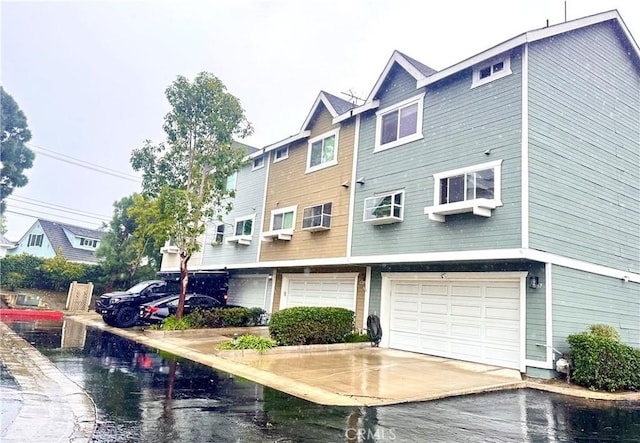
<point>466,320</point>
<point>332,290</point>
<point>472,310</point>
<point>248,291</point>
<point>468,330</point>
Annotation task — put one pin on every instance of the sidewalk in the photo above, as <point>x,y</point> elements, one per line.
<point>61,409</point>
<point>345,374</point>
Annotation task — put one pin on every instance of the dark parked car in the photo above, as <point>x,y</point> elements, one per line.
<point>157,311</point>
<point>121,308</point>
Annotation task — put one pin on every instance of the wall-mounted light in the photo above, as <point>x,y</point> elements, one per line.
<point>360,181</point>
<point>534,282</point>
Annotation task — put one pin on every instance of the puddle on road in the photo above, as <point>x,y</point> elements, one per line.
<point>143,395</point>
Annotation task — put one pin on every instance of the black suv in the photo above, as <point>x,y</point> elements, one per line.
<point>121,308</point>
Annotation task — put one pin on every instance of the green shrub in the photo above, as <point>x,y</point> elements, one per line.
<point>224,317</point>
<point>600,361</point>
<point>306,325</point>
<point>14,280</point>
<point>171,324</point>
<point>249,342</point>
<point>354,337</point>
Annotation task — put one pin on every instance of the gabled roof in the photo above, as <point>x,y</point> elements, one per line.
<point>6,243</point>
<point>532,36</point>
<point>336,107</point>
<point>59,241</point>
<point>248,149</point>
<point>417,70</point>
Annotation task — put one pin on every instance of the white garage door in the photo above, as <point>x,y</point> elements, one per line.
<point>248,291</point>
<point>464,320</point>
<point>338,290</point>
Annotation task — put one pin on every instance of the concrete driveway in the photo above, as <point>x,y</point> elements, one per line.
<point>342,375</point>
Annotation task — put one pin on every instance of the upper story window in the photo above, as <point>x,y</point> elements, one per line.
<point>384,208</point>
<point>258,162</point>
<point>399,124</point>
<point>88,243</point>
<point>281,225</point>
<point>219,235</point>
<point>232,182</point>
<point>323,151</point>
<point>491,70</point>
<point>35,239</point>
<point>242,230</point>
<point>316,218</point>
<point>473,189</point>
<point>281,153</point>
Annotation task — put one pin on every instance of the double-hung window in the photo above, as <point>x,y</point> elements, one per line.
<point>473,189</point>
<point>317,218</point>
<point>242,230</point>
<point>281,226</point>
<point>384,208</point>
<point>232,182</point>
<point>399,124</point>
<point>491,70</point>
<point>323,151</point>
<point>219,234</point>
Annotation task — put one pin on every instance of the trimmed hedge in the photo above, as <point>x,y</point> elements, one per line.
<point>602,362</point>
<point>306,325</point>
<point>222,317</point>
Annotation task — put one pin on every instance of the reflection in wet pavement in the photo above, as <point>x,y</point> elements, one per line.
<point>143,395</point>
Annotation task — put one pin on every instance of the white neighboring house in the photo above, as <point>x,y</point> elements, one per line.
<point>5,245</point>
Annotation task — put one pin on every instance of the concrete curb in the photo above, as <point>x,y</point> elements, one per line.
<point>62,409</point>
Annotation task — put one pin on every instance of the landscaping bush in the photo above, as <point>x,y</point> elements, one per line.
<point>601,361</point>
<point>249,342</point>
<point>306,325</point>
<point>223,317</point>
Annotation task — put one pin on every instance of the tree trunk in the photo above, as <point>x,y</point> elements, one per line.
<point>184,281</point>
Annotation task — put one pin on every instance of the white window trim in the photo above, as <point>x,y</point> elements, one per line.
<point>477,81</point>
<point>419,99</point>
<point>242,239</point>
<point>215,234</point>
<point>280,234</point>
<point>318,138</point>
<point>479,206</point>
<point>321,227</point>
<point>384,220</point>
<point>284,157</point>
<point>254,167</point>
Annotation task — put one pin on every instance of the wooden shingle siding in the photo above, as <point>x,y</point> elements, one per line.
<point>578,303</point>
<point>290,185</point>
<point>584,146</point>
<point>249,199</point>
<point>459,125</point>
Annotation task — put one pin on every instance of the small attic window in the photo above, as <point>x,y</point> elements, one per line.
<point>491,70</point>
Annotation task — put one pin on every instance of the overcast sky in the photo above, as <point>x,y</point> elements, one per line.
<point>90,75</point>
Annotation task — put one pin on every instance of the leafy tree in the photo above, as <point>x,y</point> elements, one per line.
<point>61,271</point>
<point>14,154</point>
<point>124,247</point>
<point>185,177</point>
<point>3,224</point>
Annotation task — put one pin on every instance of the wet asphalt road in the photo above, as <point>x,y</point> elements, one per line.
<point>145,396</point>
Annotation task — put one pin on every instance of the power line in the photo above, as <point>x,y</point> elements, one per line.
<point>82,163</point>
<point>40,203</point>
<point>55,216</point>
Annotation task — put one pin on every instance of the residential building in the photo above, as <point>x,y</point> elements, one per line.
<point>484,212</point>
<point>45,238</point>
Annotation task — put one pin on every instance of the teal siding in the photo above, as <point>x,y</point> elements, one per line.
<point>459,125</point>
<point>581,299</point>
<point>536,317</point>
<point>584,146</point>
<point>249,200</point>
